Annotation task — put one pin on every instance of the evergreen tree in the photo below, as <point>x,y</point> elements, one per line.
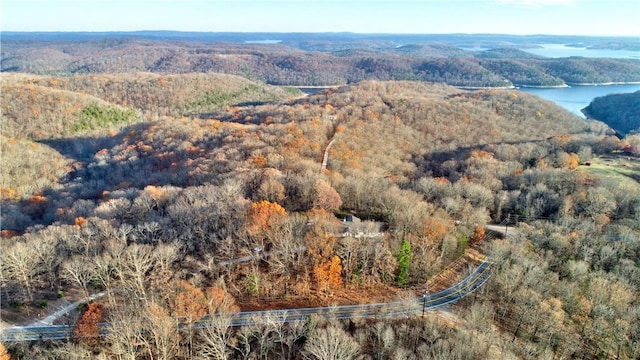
<point>404,262</point>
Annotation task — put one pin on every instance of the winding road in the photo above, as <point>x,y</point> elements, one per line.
<point>394,309</point>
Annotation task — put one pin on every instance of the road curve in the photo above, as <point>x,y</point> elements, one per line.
<point>393,309</point>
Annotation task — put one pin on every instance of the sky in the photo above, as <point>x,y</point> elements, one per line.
<point>520,17</point>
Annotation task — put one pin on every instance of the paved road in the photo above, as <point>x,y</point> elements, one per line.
<point>503,230</point>
<point>394,309</point>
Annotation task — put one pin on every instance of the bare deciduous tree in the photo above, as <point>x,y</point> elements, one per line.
<point>164,337</point>
<point>331,343</point>
<point>134,264</point>
<point>20,263</point>
<point>45,248</point>
<point>214,337</point>
<point>123,333</point>
<point>79,270</point>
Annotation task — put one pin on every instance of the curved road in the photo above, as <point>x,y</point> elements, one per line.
<point>382,310</point>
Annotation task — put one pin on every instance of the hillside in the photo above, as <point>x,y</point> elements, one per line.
<point>158,95</point>
<point>506,53</point>
<point>40,109</point>
<point>37,112</point>
<point>28,168</point>
<point>522,73</point>
<point>620,111</point>
<point>592,71</point>
<point>312,62</point>
<point>163,215</point>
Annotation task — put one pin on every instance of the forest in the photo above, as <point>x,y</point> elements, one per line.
<point>146,187</point>
<point>620,111</point>
<point>315,60</point>
<point>165,174</point>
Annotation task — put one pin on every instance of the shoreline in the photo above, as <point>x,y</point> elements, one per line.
<point>578,84</point>
<point>606,84</point>
<point>484,87</point>
<point>514,86</point>
<point>544,86</point>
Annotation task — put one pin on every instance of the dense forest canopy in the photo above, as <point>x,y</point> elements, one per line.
<point>620,111</point>
<point>166,175</point>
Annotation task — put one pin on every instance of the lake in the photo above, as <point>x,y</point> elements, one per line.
<point>560,50</point>
<point>267,41</point>
<point>576,98</point>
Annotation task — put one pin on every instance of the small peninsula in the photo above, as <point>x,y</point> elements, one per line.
<point>620,111</point>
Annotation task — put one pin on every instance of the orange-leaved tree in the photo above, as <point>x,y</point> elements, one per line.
<point>87,330</point>
<point>570,161</point>
<point>80,221</point>
<point>433,230</point>
<point>4,354</point>
<point>325,265</point>
<point>321,247</point>
<point>478,235</point>
<point>329,274</point>
<point>220,301</point>
<point>264,216</point>
<point>189,302</point>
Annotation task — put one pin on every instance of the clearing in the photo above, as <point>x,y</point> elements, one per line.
<point>616,170</point>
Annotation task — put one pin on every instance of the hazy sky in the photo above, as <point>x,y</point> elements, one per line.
<point>574,17</point>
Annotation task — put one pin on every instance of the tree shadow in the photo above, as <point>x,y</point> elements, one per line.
<point>83,148</point>
<point>133,166</point>
<point>432,162</point>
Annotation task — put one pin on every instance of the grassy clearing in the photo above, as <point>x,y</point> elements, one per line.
<point>617,170</point>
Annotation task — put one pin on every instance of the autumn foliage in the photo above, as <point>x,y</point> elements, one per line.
<point>573,161</point>
<point>478,235</point>
<point>219,301</point>
<point>433,229</point>
<point>329,274</point>
<point>87,330</point>
<point>262,216</point>
<point>191,303</point>
<point>320,244</point>
<point>79,221</point>
<point>188,198</point>
<point>4,355</point>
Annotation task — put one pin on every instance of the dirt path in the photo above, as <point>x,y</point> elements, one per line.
<point>49,319</point>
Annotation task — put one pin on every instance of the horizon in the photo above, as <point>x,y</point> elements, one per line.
<point>304,32</point>
<point>590,18</point>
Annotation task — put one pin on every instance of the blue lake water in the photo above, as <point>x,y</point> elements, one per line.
<point>560,50</point>
<point>266,41</point>
<point>576,98</point>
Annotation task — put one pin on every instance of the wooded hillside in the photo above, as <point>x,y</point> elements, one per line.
<point>311,63</point>
<point>154,211</point>
<point>620,111</point>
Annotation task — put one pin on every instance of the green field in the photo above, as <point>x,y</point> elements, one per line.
<point>617,170</point>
